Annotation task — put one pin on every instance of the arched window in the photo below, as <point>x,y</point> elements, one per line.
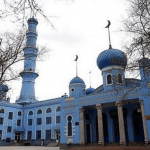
<point>19,113</point>
<point>39,111</point>
<point>119,78</point>
<point>30,113</point>
<point>48,110</point>
<point>1,110</point>
<point>69,119</point>
<point>109,79</point>
<point>58,108</point>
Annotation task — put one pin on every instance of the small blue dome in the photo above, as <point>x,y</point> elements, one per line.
<point>77,80</point>
<point>89,90</point>
<point>111,57</point>
<point>3,87</point>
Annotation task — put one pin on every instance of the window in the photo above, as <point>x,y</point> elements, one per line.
<point>58,109</point>
<point>69,125</point>
<point>29,122</point>
<point>0,134</point>
<point>1,120</point>
<point>72,90</point>
<point>109,80</point>
<point>29,136</point>
<point>30,113</point>
<point>57,119</point>
<point>9,129</point>
<point>19,113</point>
<point>119,78</point>
<point>39,111</point>
<point>48,134</point>
<point>10,115</point>
<point>48,110</point>
<point>39,121</point>
<point>38,134</point>
<point>18,122</point>
<point>48,120</point>
<point>1,110</point>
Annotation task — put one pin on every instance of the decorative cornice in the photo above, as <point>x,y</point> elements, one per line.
<point>113,68</point>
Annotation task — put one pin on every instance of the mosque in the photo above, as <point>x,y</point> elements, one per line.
<point>118,111</point>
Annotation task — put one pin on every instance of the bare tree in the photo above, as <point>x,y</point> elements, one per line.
<point>11,52</point>
<point>137,27</point>
<point>22,10</point>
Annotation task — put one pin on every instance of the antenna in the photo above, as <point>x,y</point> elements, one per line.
<point>109,23</point>
<point>76,65</point>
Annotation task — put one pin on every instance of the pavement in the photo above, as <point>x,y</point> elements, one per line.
<point>28,148</point>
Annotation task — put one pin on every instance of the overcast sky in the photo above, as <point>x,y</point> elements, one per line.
<point>80,31</point>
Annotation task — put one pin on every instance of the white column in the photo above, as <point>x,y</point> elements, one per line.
<point>100,124</point>
<point>121,124</point>
<point>81,115</point>
<point>144,123</point>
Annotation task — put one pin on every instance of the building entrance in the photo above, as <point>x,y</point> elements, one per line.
<point>88,133</point>
<point>17,137</point>
<point>138,126</point>
<point>58,136</point>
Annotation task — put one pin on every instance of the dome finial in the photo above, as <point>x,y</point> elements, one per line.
<point>109,23</point>
<point>76,66</point>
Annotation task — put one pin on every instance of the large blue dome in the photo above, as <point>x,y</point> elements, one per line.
<point>77,80</point>
<point>111,57</point>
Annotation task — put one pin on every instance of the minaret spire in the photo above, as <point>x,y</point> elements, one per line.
<point>90,78</point>
<point>76,65</point>
<point>27,94</point>
<point>109,23</point>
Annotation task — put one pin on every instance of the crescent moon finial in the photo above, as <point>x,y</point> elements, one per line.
<point>76,58</point>
<point>109,23</point>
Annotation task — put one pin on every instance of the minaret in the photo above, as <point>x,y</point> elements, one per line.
<point>29,74</point>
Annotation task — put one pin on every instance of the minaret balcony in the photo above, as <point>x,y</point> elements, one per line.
<point>30,72</point>
<point>28,31</point>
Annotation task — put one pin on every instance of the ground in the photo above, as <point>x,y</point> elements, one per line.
<point>75,148</point>
<point>28,148</point>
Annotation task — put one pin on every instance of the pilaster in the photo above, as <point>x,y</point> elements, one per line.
<point>121,123</point>
<point>82,134</point>
<point>100,124</point>
<point>144,122</point>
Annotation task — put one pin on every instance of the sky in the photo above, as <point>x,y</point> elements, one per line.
<point>80,30</point>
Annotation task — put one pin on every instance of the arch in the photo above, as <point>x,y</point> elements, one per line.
<point>30,112</point>
<point>39,111</point>
<point>19,113</point>
<point>69,125</point>
<point>109,79</point>
<point>119,78</point>
<point>58,109</point>
<point>2,110</point>
<point>48,110</point>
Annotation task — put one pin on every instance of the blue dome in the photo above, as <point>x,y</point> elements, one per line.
<point>111,57</point>
<point>89,90</point>
<point>3,87</point>
<point>77,80</point>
